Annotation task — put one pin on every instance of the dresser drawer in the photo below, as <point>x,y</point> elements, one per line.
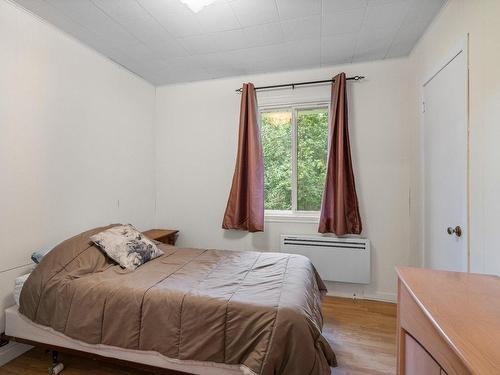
<point>418,361</point>
<point>413,322</point>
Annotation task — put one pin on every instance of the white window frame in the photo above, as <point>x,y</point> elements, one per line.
<point>293,215</point>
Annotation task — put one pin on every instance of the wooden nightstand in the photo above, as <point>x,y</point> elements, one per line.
<point>167,236</point>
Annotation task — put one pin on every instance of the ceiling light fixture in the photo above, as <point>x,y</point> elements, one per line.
<point>197,5</point>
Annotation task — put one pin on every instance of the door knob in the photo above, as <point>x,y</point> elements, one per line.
<point>457,230</point>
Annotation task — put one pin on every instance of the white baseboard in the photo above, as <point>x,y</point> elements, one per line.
<point>381,296</point>
<point>378,296</point>
<point>12,350</point>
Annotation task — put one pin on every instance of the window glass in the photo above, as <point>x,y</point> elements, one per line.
<point>295,143</point>
<point>312,145</point>
<point>276,131</point>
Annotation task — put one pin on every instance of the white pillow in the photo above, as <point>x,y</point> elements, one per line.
<point>18,286</point>
<point>126,246</point>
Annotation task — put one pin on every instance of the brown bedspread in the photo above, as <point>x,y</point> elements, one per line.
<point>259,310</point>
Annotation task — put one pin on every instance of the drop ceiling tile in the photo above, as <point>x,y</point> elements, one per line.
<point>48,12</point>
<point>302,28</point>
<point>333,6</point>
<point>175,17</point>
<point>55,16</point>
<point>219,61</point>
<point>424,10</point>
<point>184,63</point>
<point>377,3</point>
<point>375,36</point>
<point>255,58</point>
<point>255,12</point>
<point>86,13</point>
<point>180,70</point>
<point>214,42</point>
<point>82,11</point>
<point>223,73</point>
<point>165,42</point>
<point>289,9</point>
<point>410,31</point>
<point>370,54</point>
<point>179,25</point>
<point>268,66</point>
<point>373,44</point>
<point>154,65</point>
<point>149,76</point>
<point>263,35</point>
<point>342,22</point>
<point>146,28</point>
<point>86,36</point>
<point>390,15</point>
<point>120,10</point>
<point>217,17</point>
<point>131,63</point>
<point>171,6</point>
<point>141,66</point>
<point>287,56</point>
<point>113,54</point>
<point>28,4</point>
<point>222,64</point>
<point>198,44</point>
<point>338,49</point>
<point>399,49</point>
<point>166,48</point>
<point>93,41</point>
<point>304,53</point>
<point>38,7</point>
<point>406,37</point>
<point>138,50</point>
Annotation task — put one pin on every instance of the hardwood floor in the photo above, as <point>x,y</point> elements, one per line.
<point>362,334</point>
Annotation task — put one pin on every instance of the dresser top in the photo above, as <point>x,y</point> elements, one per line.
<point>159,233</point>
<point>465,309</point>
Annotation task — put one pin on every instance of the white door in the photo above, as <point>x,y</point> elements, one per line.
<point>446,166</point>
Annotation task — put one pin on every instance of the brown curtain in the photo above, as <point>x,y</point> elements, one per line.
<point>245,206</point>
<point>339,208</point>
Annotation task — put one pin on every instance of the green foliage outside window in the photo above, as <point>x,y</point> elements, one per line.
<point>312,142</point>
<point>277,150</point>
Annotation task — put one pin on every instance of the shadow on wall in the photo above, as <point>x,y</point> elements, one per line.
<point>263,240</point>
<point>260,241</point>
<point>234,234</point>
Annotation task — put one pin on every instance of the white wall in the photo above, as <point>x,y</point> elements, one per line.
<point>196,139</point>
<point>76,138</point>
<point>77,149</point>
<point>479,18</point>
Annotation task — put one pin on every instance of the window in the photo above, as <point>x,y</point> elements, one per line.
<point>295,142</point>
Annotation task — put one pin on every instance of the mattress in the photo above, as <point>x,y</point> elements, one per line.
<point>18,286</point>
<point>16,325</point>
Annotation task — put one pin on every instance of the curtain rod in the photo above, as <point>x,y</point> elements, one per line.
<point>292,85</point>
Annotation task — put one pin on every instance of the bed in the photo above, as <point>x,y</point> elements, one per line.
<point>199,311</point>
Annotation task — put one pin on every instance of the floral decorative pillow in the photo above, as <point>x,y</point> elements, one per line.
<point>126,246</point>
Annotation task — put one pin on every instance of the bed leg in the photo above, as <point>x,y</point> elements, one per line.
<point>57,366</point>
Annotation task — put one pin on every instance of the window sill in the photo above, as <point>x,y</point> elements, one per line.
<point>291,217</point>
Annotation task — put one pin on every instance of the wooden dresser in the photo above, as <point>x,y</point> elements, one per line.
<point>167,236</point>
<point>448,323</point>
